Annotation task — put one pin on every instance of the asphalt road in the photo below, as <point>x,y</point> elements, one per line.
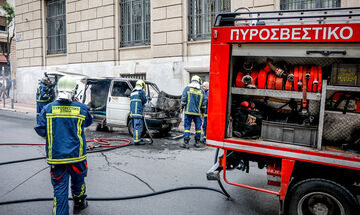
<point>128,171</point>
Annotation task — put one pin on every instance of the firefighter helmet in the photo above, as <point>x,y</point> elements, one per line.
<point>196,78</point>
<point>141,83</point>
<point>46,80</point>
<point>67,88</point>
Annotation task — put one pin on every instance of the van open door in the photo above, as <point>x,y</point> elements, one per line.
<point>118,103</point>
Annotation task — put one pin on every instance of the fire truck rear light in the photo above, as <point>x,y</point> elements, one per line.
<point>215,34</point>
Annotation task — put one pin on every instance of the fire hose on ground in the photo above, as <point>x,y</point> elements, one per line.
<point>104,143</point>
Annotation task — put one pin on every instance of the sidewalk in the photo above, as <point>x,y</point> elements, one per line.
<point>20,108</point>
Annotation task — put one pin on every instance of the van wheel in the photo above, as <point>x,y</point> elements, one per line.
<point>131,129</point>
<point>320,196</point>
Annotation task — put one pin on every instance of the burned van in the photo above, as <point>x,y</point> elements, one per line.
<point>109,102</point>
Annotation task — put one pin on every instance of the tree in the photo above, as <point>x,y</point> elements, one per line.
<point>10,22</point>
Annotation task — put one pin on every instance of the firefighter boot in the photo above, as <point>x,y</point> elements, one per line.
<point>185,144</point>
<point>80,203</point>
<point>197,143</point>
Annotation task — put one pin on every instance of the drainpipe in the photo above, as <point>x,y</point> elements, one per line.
<point>117,55</point>
<point>43,33</point>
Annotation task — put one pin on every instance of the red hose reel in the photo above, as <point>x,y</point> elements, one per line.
<point>301,77</point>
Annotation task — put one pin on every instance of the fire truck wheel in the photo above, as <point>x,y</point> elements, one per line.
<point>319,196</point>
<point>131,128</point>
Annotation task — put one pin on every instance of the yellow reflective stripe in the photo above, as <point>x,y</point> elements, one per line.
<point>192,113</point>
<point>195,91</point>
<point>203,106</point>
<point>49,135</point>
<point>136,135</point>
<point>54,206</point>
<point>188,102</point>
<point>79,132</point>
<point>187,131</point>
<point>70,115</point>
<point>40,100</point>
<point>200,103</point>
<point>133,114</point>
<point>136,104</point>
<point>65,116</point>
<point>66,160</point>
<point>205,115</point>
<point>135,100</point>
<point>183,102</point>
<point>37,113</point>
<point>82,191</point>
<point>198,131</point>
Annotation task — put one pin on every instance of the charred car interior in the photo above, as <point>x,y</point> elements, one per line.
<point>109,102</point>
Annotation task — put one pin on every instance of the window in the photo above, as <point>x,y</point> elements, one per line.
<point>56,26</point>
<point>202,15</point>
<point>2,23</point>
<point>120,89</point>
<point>203,75</point>
<point>3,47</point>
<point>135,22</point>
<point>308,4</point>
<point>141,76</point>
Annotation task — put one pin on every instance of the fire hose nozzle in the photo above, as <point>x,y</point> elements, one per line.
<point>279,72</point>
<point>290,77</point>
<point>307,76</point>
<point>316,82</point>
<point>247,79</point>
<point>299,83</point>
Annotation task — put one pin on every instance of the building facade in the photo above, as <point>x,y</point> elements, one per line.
<point>164,41</point>
<point>3,43</point>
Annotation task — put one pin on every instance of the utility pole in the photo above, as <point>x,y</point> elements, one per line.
<point>3,86</point>
<point>12,84</point>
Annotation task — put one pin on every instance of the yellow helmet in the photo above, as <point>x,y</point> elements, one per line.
<point>141,83</point>
<point>196,78</point>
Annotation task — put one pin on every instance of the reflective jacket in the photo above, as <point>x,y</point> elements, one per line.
<point>137,101</point>
<point>206,102</point>
<point>193,100</point>
<point>62,125</point>
<point>44,93</point>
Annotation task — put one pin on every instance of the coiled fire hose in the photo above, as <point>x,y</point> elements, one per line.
<point>103,144</point>
<point>106,144</point>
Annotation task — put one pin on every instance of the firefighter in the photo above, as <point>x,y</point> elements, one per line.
<point>62,124</point>
<point>205,87</point>
<point>193,101</point>
<point>44,95</point>
<point>137,101</point>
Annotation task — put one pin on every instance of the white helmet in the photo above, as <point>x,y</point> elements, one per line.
<point>67,88</point>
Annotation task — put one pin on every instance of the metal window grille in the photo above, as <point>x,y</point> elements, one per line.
<point>308,4</point>
<point>2,23</point>
<point>56,26</point>
<point>141,76</point>
<point>202,15</point>
<point>135,22</point>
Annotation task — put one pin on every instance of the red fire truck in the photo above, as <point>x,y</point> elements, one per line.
<point>284,93</point>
